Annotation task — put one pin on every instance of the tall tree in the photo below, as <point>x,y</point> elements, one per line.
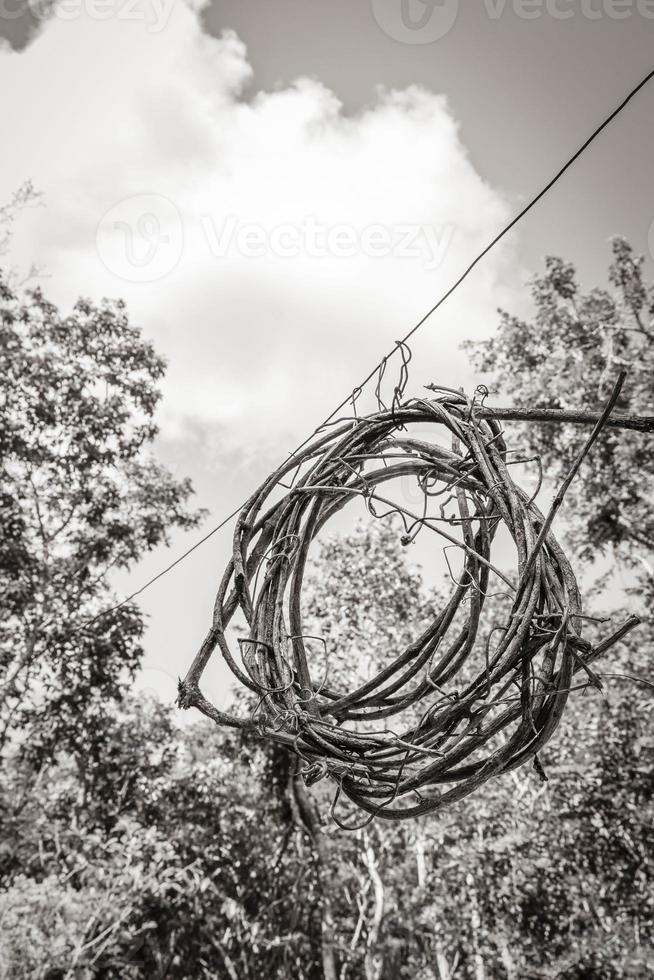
<point>567,355</point>
<point>80,497</point>
<point>141,853</point>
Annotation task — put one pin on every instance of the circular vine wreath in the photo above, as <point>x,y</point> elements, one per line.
<point>481,702</point>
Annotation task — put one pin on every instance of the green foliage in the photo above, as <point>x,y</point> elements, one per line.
<point>40,916</point>
<point>131,850</point>
<point>568,355</point>
<point>25,196</point>
<point>79,497</point>
<point>188,859</point>
<point>382,603</point>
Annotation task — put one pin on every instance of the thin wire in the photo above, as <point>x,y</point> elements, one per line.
<point>164,571</point>
<point>399,344</point>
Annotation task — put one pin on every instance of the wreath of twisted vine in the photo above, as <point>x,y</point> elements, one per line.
<point>481,701</point>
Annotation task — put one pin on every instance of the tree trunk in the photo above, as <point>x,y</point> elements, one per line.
<point>306,812</point>
<point>475,922</point>
<point>373,963</point>
<point>443,967</point>
<point>421,867</point>
<point>507,959</point>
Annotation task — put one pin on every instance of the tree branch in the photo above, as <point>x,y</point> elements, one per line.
<point>638,423</point>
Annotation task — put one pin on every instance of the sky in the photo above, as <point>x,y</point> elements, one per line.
<point>280,190</point>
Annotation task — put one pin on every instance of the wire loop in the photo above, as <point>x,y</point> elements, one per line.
<point>454,681</point>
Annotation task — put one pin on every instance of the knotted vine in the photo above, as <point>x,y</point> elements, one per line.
<point>482,697</point>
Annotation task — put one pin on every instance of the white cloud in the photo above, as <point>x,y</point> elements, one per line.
<point>109,110</point>
<point>104,112</point>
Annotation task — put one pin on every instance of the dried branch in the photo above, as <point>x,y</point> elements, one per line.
<point>490,700</point>
<point>559,416</point>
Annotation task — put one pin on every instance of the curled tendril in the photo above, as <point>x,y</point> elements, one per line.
<point>481,697</point>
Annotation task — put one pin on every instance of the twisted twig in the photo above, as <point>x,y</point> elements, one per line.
<point>479,708</point>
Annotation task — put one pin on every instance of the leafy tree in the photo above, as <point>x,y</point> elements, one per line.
<point>365,601</point>
<point>79,497</point>
<point>187,865</point>
<point>194,861</point>
<point>151,853</point>
<point>586,921</point>
<point>25,196</point>
<point>568,356</point>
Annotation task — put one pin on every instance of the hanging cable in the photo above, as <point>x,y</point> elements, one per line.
<point>399,345</point>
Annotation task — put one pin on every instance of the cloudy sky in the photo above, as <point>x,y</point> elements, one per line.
<point>280,189</point>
